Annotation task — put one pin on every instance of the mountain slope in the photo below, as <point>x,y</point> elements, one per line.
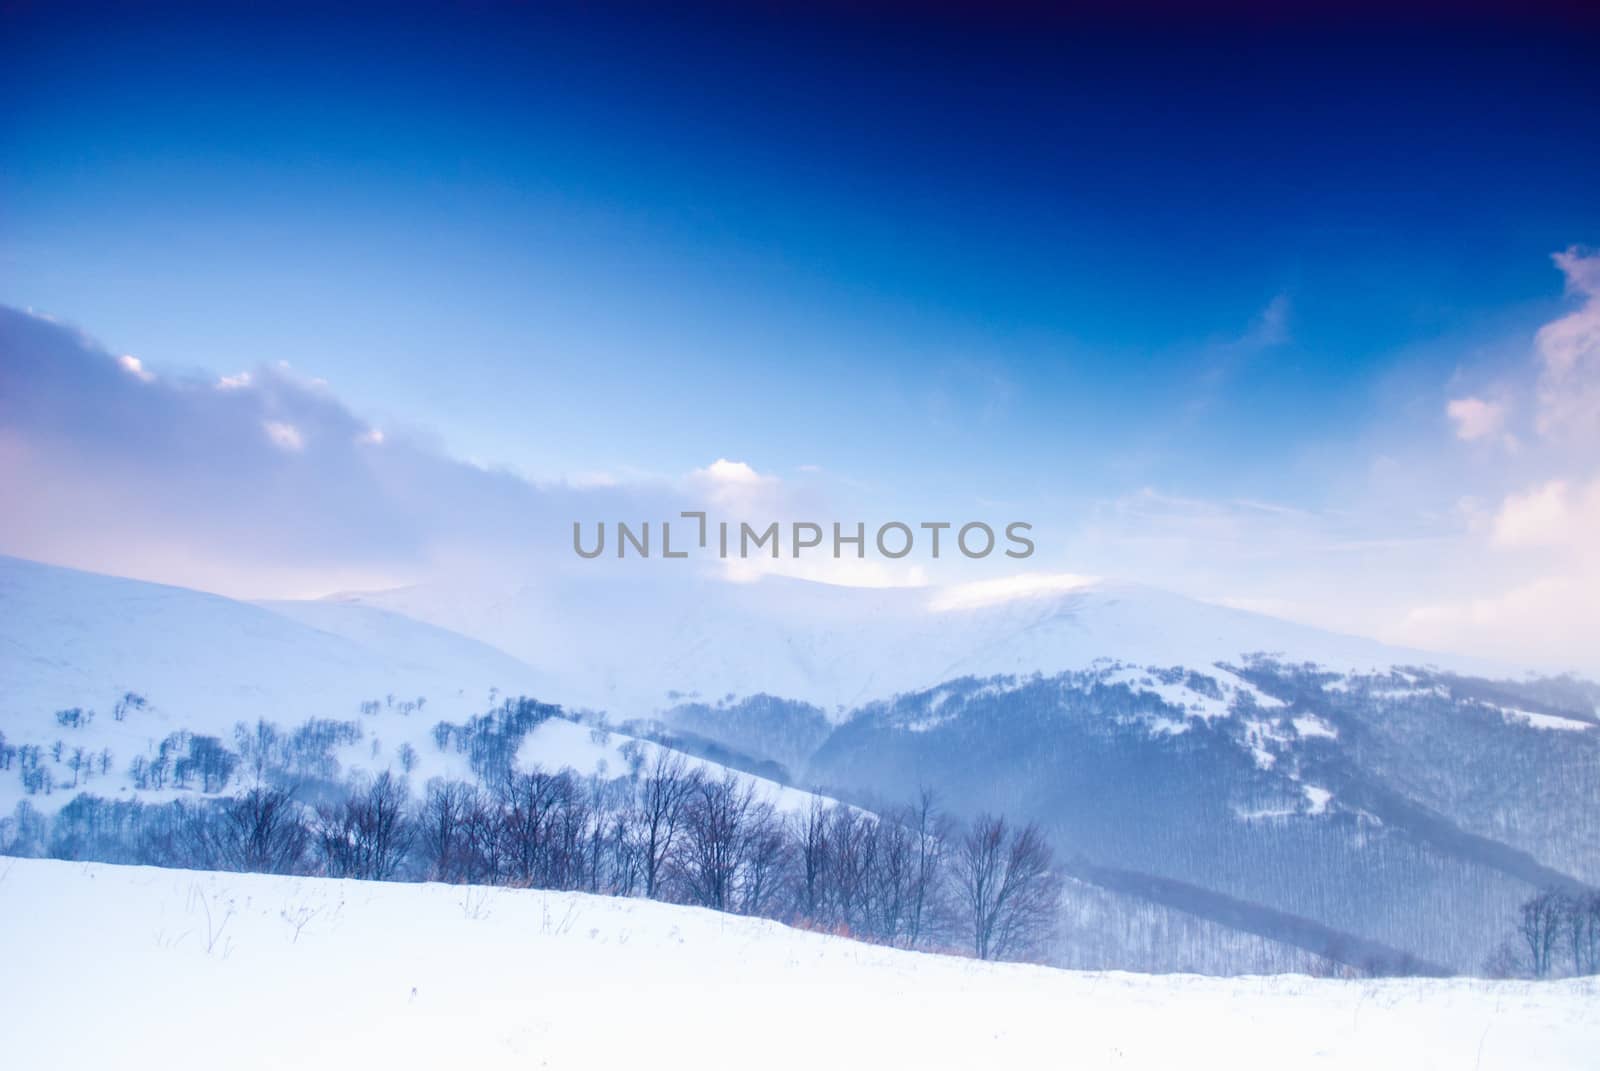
<point>75,645</point>
<point>1399,808</point>
<point>203,662</point>
<point>638,641</point>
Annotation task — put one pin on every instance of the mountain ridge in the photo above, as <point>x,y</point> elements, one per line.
<point>635,643</point>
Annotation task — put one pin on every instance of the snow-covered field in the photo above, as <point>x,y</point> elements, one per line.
<point>131,967</point>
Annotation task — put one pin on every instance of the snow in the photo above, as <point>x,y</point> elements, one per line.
<point>1317,798</point>
<point>1547,721</point>
<point>603,636</point>
<point>205,664</point>
<point>1309,725</point>
<point>69,638</point>
<point>1176,694</point>
<point>1236,685</point>
<point>1259,734</point>
<point>629,637</point>
<point>1265,813</point>
<point>559,744</point>
<point>249,971</point>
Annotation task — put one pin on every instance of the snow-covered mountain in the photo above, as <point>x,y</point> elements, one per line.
<point>271,972</point>
<point>204,662</point>
<point>637,641</point>
<point>1307,790</point>
<point>96,671</point>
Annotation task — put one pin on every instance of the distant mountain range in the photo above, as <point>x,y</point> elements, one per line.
<point>1217,783</point>
<point>636,641</point>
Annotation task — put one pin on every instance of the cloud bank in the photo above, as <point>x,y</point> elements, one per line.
<point>1481,536</point>
<point>1539,544</point>
<point>264,484</point>
<point>260,483</point>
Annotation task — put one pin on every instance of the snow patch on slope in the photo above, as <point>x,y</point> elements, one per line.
<point>1553,722</point>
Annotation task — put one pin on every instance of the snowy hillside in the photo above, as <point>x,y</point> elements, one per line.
<point>635,641</point>
<point>249,971</point>
<point>203,662</point>
<point>129,664</point>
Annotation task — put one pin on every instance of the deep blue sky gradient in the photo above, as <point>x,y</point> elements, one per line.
<point>952,258</point>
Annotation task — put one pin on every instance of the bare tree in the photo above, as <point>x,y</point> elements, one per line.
<point>663,795</point>
<point>809,834</point>
<point>719,819</point>
<point>265,832</point>
<point>623,846</point>
<point>1538,925</point>
<point>262,749</point>
<point>768,860</point>
<point>443,832</point>
<point>891,880</point>
<point>369,834</point>
<point>529,815</point>
<point>602,810</point>
<point>571,835</point>
<point>485,844</point>
<point>852,848</point>
<point>262,832</point>
<point>1008,892</point>
<point>1581,921</point>
<point>932,831</point>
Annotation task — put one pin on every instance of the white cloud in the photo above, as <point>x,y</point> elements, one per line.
<point>732,473</point>
<point>124,475</point>
<point>1569,351</point>
<point>1476,418</point>
<point>283,435</point>
<point>737,488</point>
<point>1540,517</point>
<point>1547,621</point>
<point>1526,564</point>
<point>1538,562</point>
<point>135,368</point>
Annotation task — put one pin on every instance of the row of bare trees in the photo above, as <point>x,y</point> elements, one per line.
<point>909,876</point>
<point>1558,932</point>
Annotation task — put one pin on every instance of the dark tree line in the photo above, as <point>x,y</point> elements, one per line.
<point>911,876</point>
<point>263,831</point>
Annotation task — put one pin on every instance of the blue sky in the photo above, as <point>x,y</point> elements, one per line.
<point>936,267</point>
